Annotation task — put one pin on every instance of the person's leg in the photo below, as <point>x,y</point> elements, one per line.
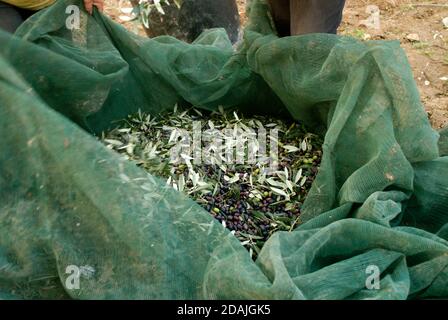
<point>10,18</point>
<point>315,16</point>
<point>280,11</point>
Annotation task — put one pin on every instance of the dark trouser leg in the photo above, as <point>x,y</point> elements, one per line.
<point>280,11</point>
<point>10,18</point>
<point>315,16</point>
<point>306,16</point>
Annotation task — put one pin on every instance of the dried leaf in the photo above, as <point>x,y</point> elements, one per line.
<point>113,142</point>
<point>304,145</point>
<point>279,192</point>
<point>298,176</point>
<point>291,148</point>
<point>303,181</point>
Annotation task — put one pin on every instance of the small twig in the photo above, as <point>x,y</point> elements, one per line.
<point>429,5</point>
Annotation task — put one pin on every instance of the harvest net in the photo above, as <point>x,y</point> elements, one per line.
<point>380,198</point>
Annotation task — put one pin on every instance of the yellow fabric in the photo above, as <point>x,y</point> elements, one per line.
<point>30,4</point>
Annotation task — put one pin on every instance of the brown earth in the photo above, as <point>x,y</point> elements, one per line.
<point>417,26</point>
<point>427,53</point>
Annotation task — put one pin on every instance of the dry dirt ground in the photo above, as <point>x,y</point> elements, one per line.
<point>416,24</point>
<point>423,36</point>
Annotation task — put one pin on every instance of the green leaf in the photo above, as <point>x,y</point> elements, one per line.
<point>290,149</point>
<point>279,192</point>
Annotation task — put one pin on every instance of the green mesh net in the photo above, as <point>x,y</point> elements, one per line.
<point>379,202</point>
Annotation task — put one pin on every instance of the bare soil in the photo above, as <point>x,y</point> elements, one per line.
<point>417,26</point>
<point>423,36</point>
